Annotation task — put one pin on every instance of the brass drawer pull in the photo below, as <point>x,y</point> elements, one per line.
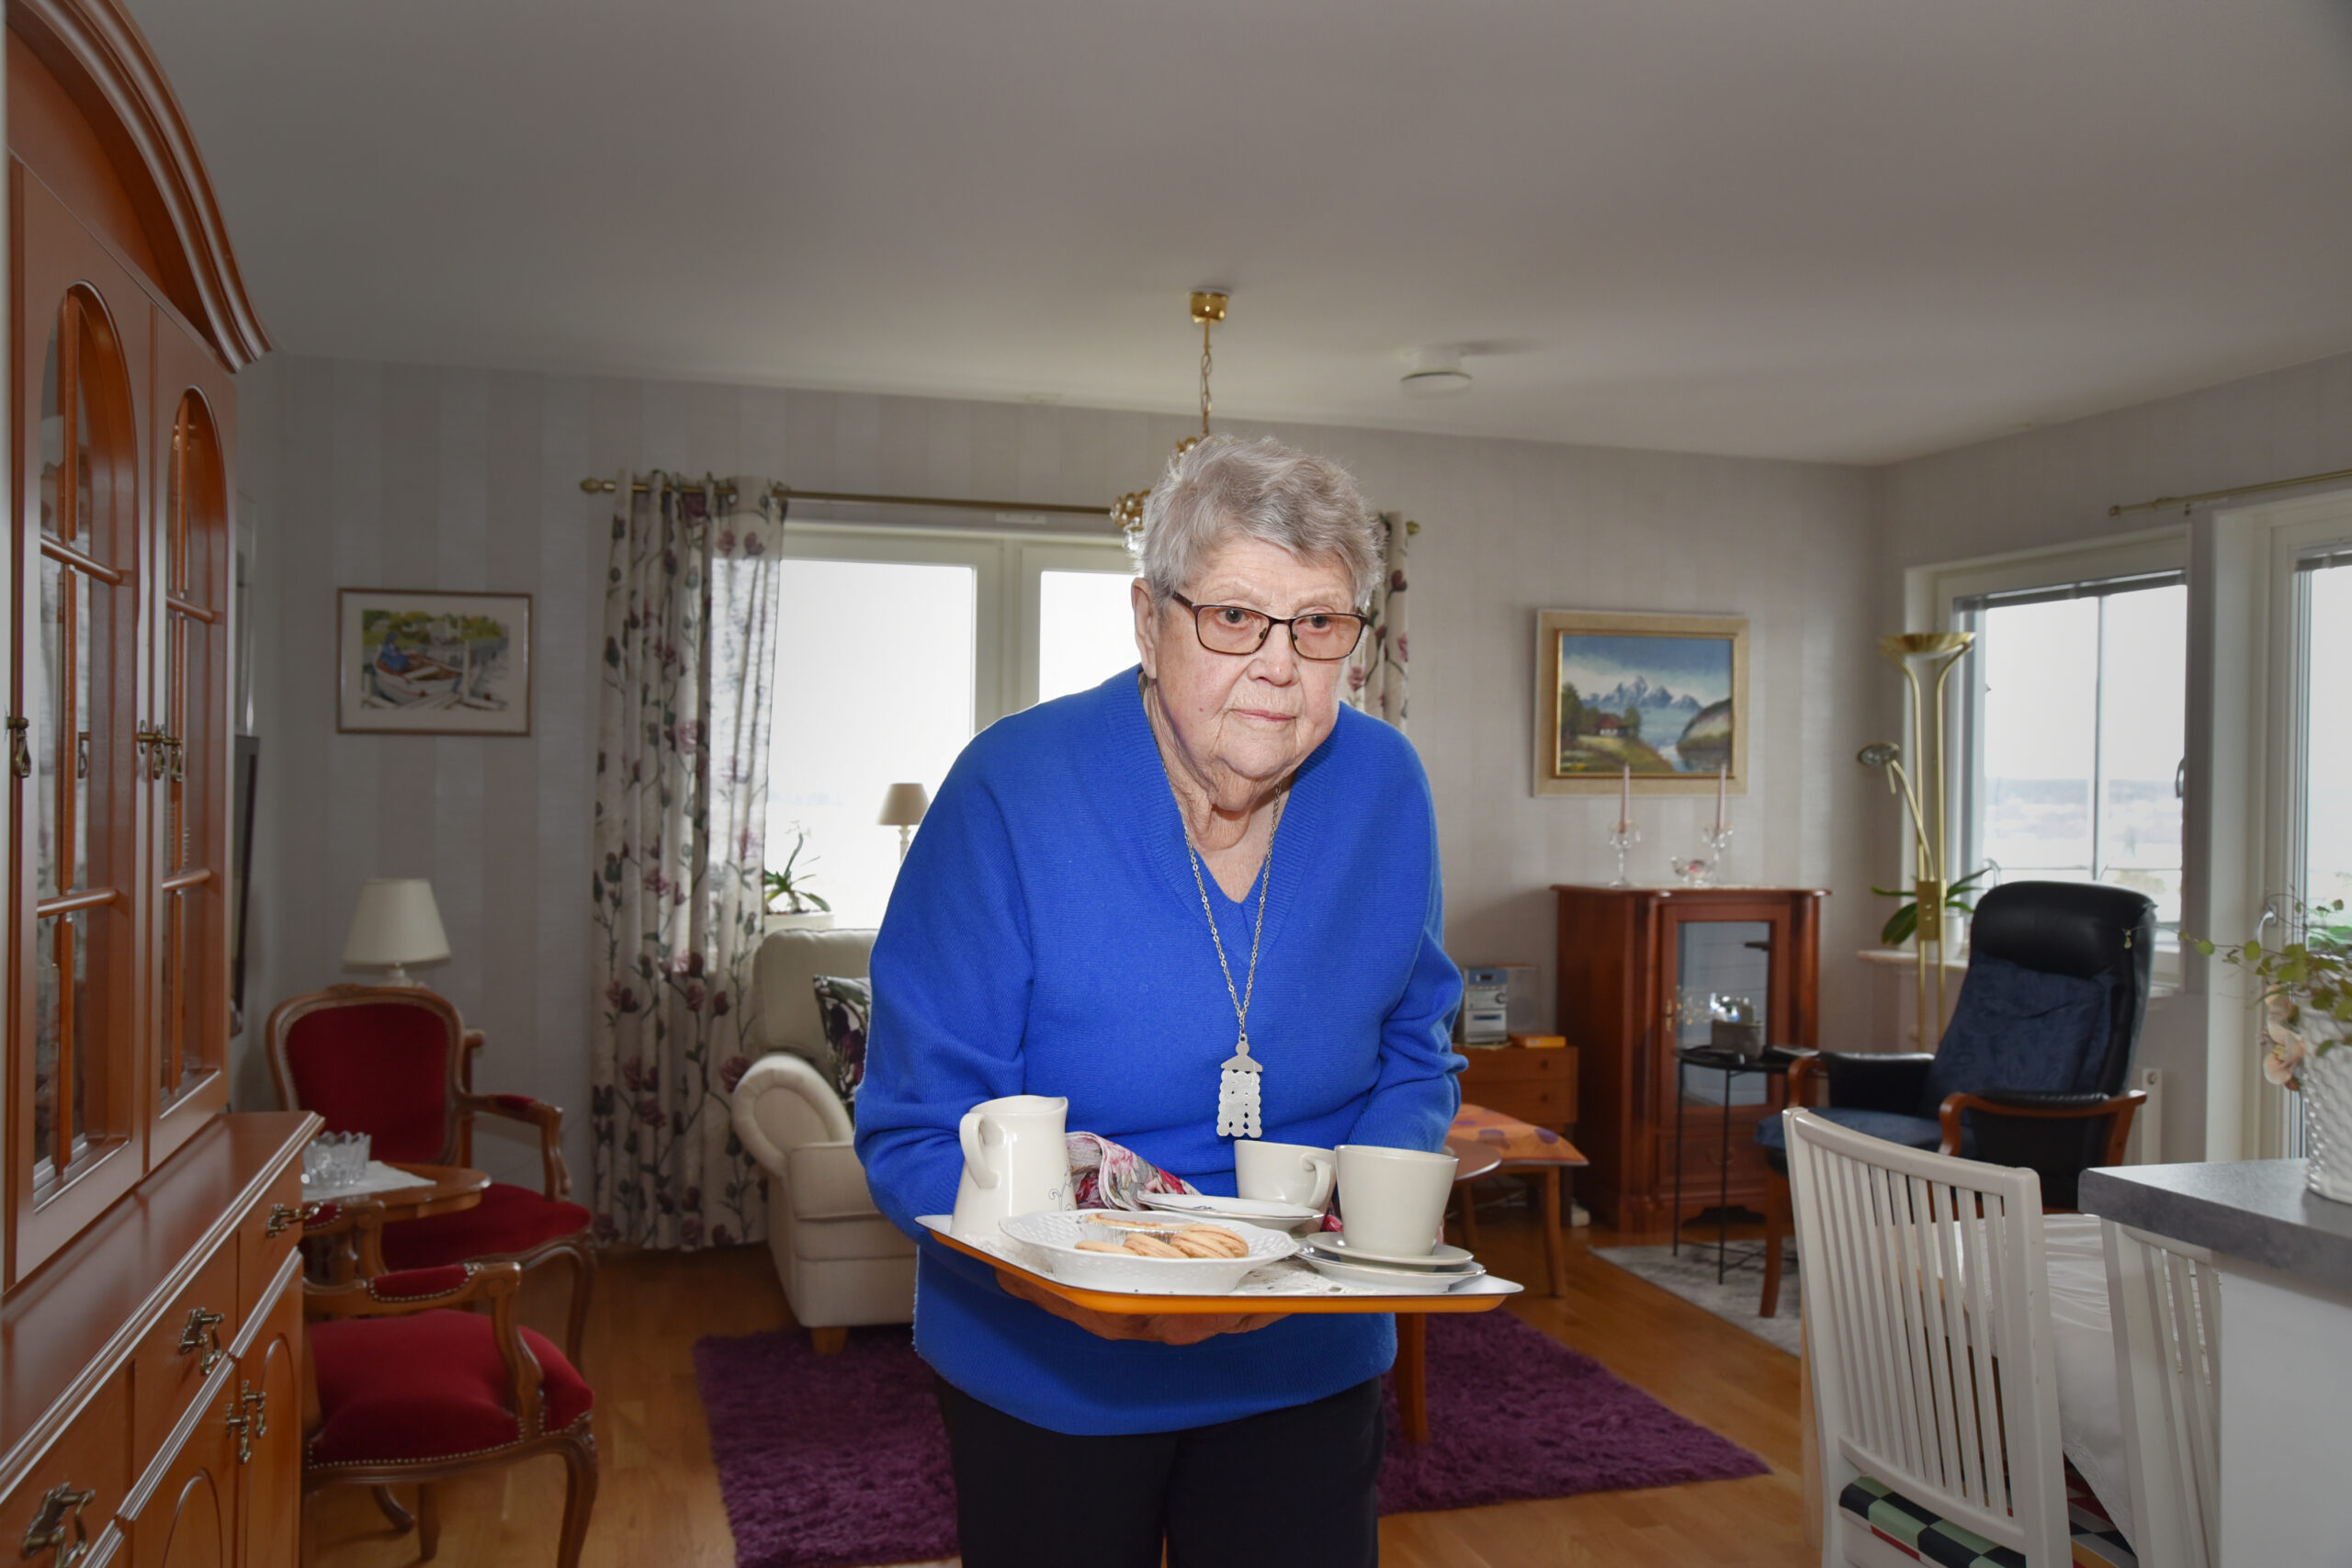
<point>248,1417</point>
<point>202,1332</point>
<point>284,1217</point>
<point>47,1531</point>
<point>21,751</point>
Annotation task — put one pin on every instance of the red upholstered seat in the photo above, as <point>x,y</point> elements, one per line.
<point>427,1386</point>
<point>508,1219</point>
<point>380,1068</point>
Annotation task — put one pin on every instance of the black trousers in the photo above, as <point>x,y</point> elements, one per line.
<point>1291,1488</point>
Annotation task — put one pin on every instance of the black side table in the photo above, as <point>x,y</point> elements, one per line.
<point>1773,1063</point>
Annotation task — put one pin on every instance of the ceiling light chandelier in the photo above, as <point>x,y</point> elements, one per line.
<point>1208,310</point>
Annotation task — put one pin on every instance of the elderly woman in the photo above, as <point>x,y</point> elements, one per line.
<point>1112,889</point>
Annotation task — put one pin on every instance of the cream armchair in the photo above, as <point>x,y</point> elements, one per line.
<point>841,1262</point>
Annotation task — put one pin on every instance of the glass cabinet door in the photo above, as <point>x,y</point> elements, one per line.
<point>73,746</point>
<point>191,766</point>
<point>1723,977</point>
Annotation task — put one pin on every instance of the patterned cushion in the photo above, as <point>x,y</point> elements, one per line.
<point>844,1005</point>
<point>1520,1143</point>
<point>1916,1532</point>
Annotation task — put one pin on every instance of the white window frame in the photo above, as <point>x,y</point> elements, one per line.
<point>1008,566</point>
<point>2289,531</point>
<point>1932,594</point>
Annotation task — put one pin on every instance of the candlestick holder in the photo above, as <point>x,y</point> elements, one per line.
<point>1623,835</point>
<point>1718,840</point>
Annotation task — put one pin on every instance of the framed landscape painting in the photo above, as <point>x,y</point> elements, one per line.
<point>433,664</point>
<point>1666,695</point>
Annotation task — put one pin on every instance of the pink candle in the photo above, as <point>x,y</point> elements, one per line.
<point>1625,795</point>
<point>1723,781</point>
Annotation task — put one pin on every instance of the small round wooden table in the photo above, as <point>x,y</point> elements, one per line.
<point>448,1189</point>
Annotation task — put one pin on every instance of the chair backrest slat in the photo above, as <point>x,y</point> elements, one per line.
<point>1928,1323</point>
<point>2165,1299</point>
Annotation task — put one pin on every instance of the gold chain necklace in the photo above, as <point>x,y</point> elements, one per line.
<point>1239,1090</point>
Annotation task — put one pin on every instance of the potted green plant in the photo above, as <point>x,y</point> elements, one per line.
<point>1960,899</point>
<point>802,909</point>
<point>2306,1000</point>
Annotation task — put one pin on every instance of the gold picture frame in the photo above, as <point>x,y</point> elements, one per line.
<point>1666,695</point>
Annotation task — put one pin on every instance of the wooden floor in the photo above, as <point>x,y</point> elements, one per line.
<point>660,1501</point>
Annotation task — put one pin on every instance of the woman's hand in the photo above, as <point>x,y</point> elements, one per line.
<point>1166,1328</point>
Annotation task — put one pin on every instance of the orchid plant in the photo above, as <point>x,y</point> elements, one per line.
<point>2306,990</point>
<point>790,885</point>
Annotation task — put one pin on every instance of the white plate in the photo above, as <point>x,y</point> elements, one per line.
<point>1050,1239</point>
<point>1238,1211</point>
<point>1394,1281</point>
<point>1334,1244</point>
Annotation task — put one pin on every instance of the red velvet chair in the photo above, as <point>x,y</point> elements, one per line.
<point>395,1062</point>
<point>404,1388</point>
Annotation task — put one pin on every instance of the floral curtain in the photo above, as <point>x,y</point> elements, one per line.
<point>691,602</point>
<point>1377,682</point>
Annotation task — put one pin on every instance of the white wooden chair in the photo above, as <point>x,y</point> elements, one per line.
<point>2166,1300</point>
<point>1934,1381</point>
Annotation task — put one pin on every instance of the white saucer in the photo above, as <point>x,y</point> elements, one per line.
<point>1238,1208</point>
<point>1334,1244</point>
<point>1390,1281</point>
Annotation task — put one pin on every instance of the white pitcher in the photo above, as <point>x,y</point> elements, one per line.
<point>1015,1162</point>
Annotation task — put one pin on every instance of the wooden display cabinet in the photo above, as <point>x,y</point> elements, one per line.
<point>1637,966</point>
<point>150,1312</point>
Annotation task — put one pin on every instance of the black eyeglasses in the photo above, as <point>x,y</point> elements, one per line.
<point>1320,635</point>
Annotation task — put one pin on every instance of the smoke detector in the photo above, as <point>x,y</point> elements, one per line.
<point>1435,373</point>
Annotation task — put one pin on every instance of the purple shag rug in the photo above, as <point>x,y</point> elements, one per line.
<point>839,1461</point>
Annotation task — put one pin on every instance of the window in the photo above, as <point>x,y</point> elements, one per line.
<point>2073,746</point>
<point>2324,814</point>
<point>897,646</point>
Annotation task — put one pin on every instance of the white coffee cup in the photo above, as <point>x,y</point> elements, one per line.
<point>1283,1173</point>
<point>1393,1201</point>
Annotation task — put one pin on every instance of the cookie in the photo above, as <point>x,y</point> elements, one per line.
<point>1144,1245</point>
<point>1100,1247</point>
<point>1215,1241</point>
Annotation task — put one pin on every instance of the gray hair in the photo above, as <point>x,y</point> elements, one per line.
<point>1258,489</point>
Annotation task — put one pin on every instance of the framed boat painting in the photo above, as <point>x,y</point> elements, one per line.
<point>1664,695</point>
<point>433,664</point>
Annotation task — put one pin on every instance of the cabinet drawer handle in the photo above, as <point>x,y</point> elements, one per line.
<point>47,1531</point>
<point>248,1417</point>
<point>21,751</point>
<point>284,1217</point>
<point>202,1332</point>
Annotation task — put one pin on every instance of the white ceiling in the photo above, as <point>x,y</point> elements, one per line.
<point>1848,230</point>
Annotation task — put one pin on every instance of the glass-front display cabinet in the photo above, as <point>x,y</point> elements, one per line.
<point>1645,972</point>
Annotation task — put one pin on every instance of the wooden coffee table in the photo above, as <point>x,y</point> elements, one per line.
<point>449,1189</point>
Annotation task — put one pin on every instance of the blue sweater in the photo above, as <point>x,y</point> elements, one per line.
<point>1045,937</point>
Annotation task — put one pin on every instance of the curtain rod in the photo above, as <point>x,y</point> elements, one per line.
<point>787,492</point>
<point>606,486</point>
<point>2185,502</point>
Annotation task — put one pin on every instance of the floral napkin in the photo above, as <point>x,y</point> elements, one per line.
<point>1104,1175</point>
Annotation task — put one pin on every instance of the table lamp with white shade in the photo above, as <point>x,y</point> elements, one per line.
<point>396,924</point>
<point>902,807</point>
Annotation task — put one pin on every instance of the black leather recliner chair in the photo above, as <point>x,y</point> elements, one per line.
<point>2032,1068</point>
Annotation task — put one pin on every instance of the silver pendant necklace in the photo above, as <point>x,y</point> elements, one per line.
<point>1241,1086</point>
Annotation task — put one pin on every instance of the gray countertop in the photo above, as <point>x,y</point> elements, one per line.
<point>2257,1210</point>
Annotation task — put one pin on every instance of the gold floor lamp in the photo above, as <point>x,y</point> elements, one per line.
<point>1922,791</point>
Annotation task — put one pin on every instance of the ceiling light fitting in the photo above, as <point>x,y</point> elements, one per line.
<point>1435,373</point>
<point>1208,310</point>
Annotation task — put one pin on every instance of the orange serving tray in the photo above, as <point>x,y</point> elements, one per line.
<point>1129,1304</point>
